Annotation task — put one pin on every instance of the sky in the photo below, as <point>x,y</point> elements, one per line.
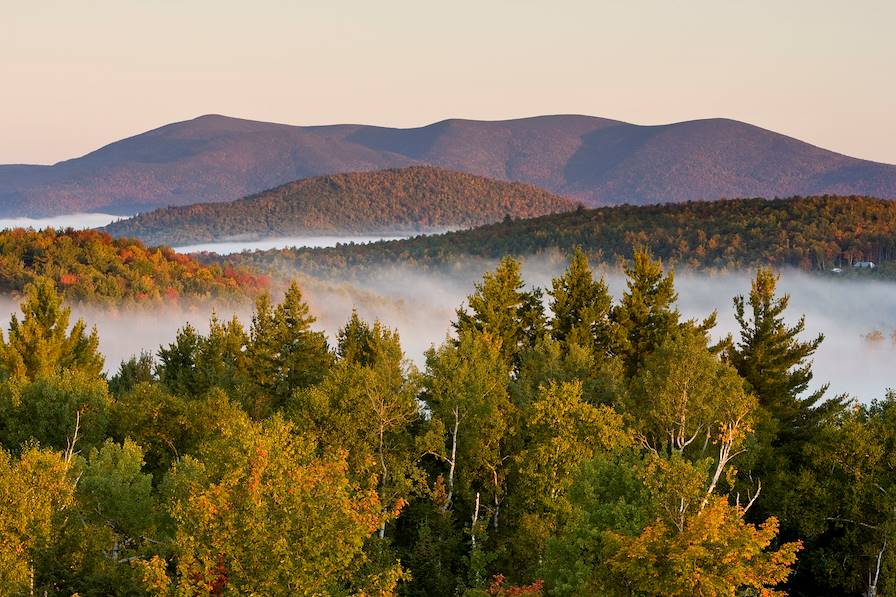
<point>78,74</point>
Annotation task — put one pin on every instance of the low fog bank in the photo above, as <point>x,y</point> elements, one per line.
<point>421,306</point>
<point>126,333</point>
<point>237,246</point>
<point>76,221</point>
<point>843,310</point>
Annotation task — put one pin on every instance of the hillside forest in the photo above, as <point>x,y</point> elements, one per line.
<point>815,234</point>
<point>600,446</point>
<point>93,267</point>
<point>414,199</point>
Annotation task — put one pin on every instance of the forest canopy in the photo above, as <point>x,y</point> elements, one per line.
<point>809,233</point>
<point>560,441</point>
<point>91,266</point>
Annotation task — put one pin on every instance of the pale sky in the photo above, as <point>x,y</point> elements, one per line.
<point>77,74</point>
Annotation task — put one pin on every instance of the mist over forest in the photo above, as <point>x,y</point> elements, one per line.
<point>76,221</point>
<point>420,305</point>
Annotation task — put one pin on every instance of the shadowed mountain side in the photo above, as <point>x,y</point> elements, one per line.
<point>599,161</point>
<point>414,199</point>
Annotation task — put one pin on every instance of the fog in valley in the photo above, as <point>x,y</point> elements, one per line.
<point>421,305</point>
<point>76,221</point>
<point>237,246</point>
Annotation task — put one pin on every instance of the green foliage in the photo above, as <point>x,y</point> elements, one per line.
<point>261,368</point>
<point>843,501</point>
<point>580,306</point>
<point>367,405</point>
<point>776,364</point>
<point>55,410</point>
<point>594,451</point>
<point>284,353</point>
<point>648,529</point>
<point>41,343</point>
<point>501,308</point>
<point>471,414</point>
<point>257,512</point>
<point>35,490</point>
<point>132,372</point>
<point>108,527</point>
<point>645,316</point>
<point>561,433</point>
<point>194,364</point>
<point>684,398</point>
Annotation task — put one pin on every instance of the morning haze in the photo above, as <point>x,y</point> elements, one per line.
<point>76,79</point>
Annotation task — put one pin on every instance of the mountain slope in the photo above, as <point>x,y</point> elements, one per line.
<point>412,199</point>
<point>811,233</point>
<point>596,160</point>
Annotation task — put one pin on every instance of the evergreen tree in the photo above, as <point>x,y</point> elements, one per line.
<point>646,314</point>
<point>177,363</point>
<point>777,365</point>
<point>284,353</point>
<point>132,372</point>
<point>355,340</point>
<point>41,344</point>
<point>501,308</point>
<point>580,306</point>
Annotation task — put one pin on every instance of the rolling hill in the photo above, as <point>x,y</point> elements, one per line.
<point>413,199</point>
<point>595,160</point>
<point>810,233</point>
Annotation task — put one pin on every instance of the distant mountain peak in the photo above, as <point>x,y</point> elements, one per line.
<point>595,160</point>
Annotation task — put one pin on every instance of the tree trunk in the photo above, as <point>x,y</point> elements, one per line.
<point>452,461</point>
<point>382,532</point>
<point>497,501</point>
<point>474,521</point>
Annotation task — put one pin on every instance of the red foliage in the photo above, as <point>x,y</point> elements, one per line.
<point>499,588</point>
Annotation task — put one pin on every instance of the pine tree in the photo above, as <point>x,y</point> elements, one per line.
<point>354,341</point>
<point>580,306</point>
<point>646,315</point>
<point>284,353</point>
<point>41,344</point>
<point>501,308</point>
<point>777,365</point>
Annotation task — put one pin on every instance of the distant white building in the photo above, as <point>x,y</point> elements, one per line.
<point>864,264</point>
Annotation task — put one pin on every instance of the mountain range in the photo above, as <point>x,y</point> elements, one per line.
<point>594,160</point>
<point>401,200</point>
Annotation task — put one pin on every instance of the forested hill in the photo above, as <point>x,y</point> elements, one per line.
<point>812,233</point>
<point>93,267</point>
<point>410,199</point>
